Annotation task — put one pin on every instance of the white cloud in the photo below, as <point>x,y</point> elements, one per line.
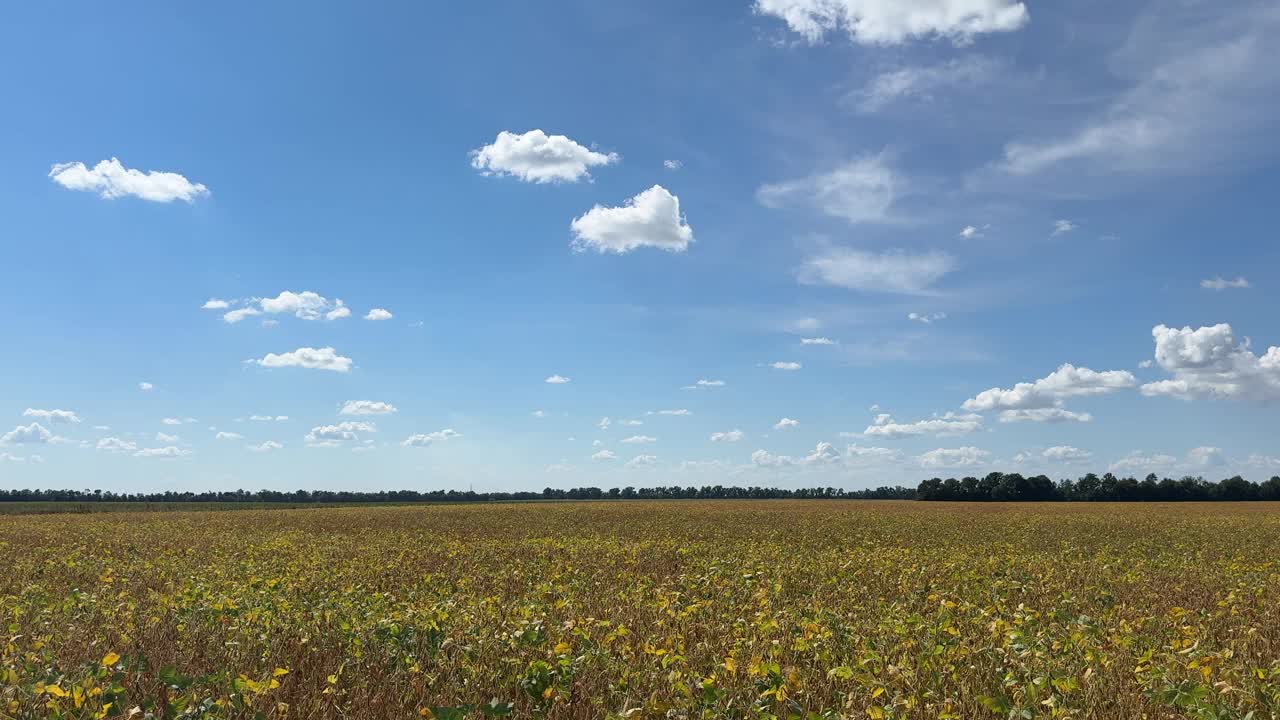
<point>1062,227</point>
<point>817,341</point>
<point>1146,364</point>
<point>1067,454</point>
<point>311,358</point>
<point>786,423</point>
<point>640,440</point>
<point>162,452</point>
<point>1208,362</point>
<point>640,461</point>
<point>367,407</point>
<point>678,412</point>
<point>269,418</point>
<point>1048,392</point>
<point>170,421</point>
<point>953,457</point>
<point>727,436</point>
<point>824,453</point>
<point>1206,457</point>
<point>1137,462</point>
<point>921,82</point>
<point>111,180</point>
<point>632,423</point>
<point>804,324</point>
<point>1044,415</point>
<point>650,219</point>
<point>53,416</point>
<point>538,158</point>
<point>35,433</point>
<point>146,386</point>
<point>862,190</point>
<point>895,271</point>
<point>167,438</point>
<point>604,455</point>
<point>116,445</point>
<point>1218,283</point>
<point>338,312</point>
<point>428,439</point>
<point>785,365</point>
<point>215,304</point>
<point>969,232</point>
<point>378,314</point>
<point>239,314</point>
<point>604,423</point>
<point>228,436</point>
<point>672,164</point>
<point>307,305</point>
<point>539,414</point>
<point>927,318</point>
<point>944,426</point>
<point>864,455</point>
<point>1263,461</point>
<point>891,22</point>
<point>332,435</point>
<point>558,380</point>
<point>268,446</point>
<point>704,384</point>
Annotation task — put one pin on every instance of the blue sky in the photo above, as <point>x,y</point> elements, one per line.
<point>959,196</point>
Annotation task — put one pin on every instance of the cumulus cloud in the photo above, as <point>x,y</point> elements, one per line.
<point>367,407</point>
<point>378,314</point>
<point>927,318</point>
<point>111,180</point>
<point>537,157</point>
<point>862,190</point>
<point>824,453</point>
<point>1206,457</point>
<point>817,341</point>
<point>307,305</point>
<point>726,436</point>
<point>1062,227</point>
<point>1138,462</point>
<point>1067,381</point>
<point>969,232</point>
<point>162,452</point>
<point>672,164</point>
<point>604,455</point>
<point>1208,362</point>
<point>944,426</point>
<point>333,435</point>
<point>425,440</point>
<point>167,438</point>
<point>953,457</point>
<point>239,314</point>
<point>894,271</point>
<point>228,436</point>
<point>215,304</point>
<point>52,416</point>
<point>265,447</point>
<point>35,433</point>
<point>1066,454</point>
<point>310,358</point>
<point>116,445</point>
<point>786,423</point>
<point>1217,283</point>
<point>650,219</point>
<point>785,365</point>
<point>146,386</point>
<point>892,22</point>
<point>640,440</point>
<point>640,461</point>
<point>1044,415</point>
<point>558,380</point>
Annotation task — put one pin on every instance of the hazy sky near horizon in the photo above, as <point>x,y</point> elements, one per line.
<point>516,245</point>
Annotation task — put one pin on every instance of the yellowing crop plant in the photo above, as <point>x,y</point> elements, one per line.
<point>704,609</point>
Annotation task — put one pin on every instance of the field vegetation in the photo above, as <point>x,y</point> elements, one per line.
<point>646,609</point>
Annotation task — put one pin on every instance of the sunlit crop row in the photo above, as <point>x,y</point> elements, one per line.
<point>733,609</point>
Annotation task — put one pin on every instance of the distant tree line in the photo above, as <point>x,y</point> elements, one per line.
<point>1091,488</point>
<point>674,492</point>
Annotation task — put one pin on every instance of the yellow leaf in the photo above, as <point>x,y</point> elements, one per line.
<point>877,692</point>
<point>876,712</point>
<point>562,648</point>
<point>110,659</point>
<point>730,664</point>
<point>278,672</point>
<point>55,691</point>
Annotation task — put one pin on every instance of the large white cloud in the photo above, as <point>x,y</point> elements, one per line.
<point>786,423</point>
<point>1067,454</point>
<point>53,416</point>
<point>325,358</point>
<point>894,271</point>
<point>1067,381</point>
<point>650,219</point>
<point>332,435</point>
<point>367,407</point>
<point>823,453</point>
<point>891,22</point>
<point>307,305</point>
<point>862,190</point>
<point>539,158</point>
<point>944,426</point>
<point>35,433</point>
<point>111,180</point>
<point>428,439</point>
<point>1139,462</point>
<point>960,457</point>
<point>1208,362</point>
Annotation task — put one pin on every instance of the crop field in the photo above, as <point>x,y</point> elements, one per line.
<point>706,609</point>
